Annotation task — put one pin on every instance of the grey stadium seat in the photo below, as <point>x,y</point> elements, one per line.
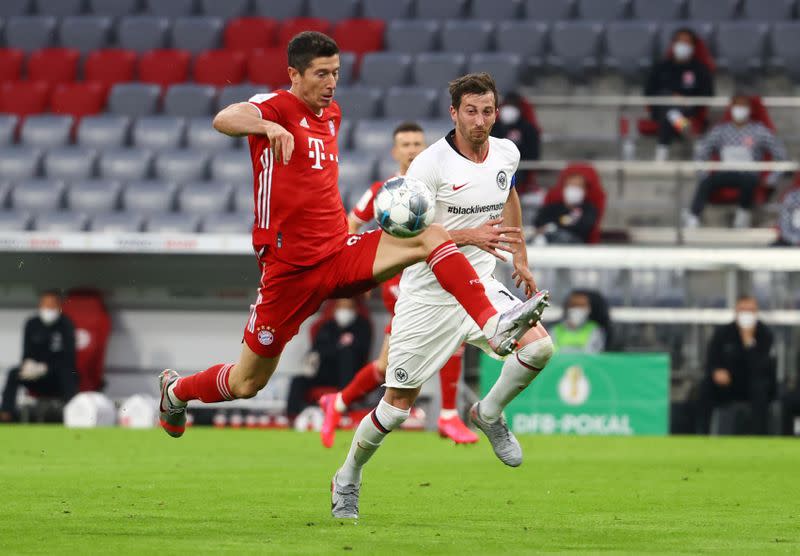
<point>443,104</point>
<point>630,47</point>
<point>347,64</point>
<point>181,165</point>
<point>85,33</point>
<point>172,223</point>
<point>549,10</point>
<point>126,164</point>
<point>387,167</point>
<point>575,47</point>
<point>232,166</point>
<point>503,66</point>
<point>5,190</point>
<point>467,36</point>
<point>196,34</point>
<point>231,94</point>
<point>46,130</point>
<point>148,196</point>
<point>741,46</point>
<point>703,29</point>
<point>190,100</point>
<point>170,8</point>
<point>36,195</point>
<point>70,163</point>
<point>358,102</point>
<point>602,10</point>
<point>373,136</point>
<point>116,223</point>
<point>711,10</point>
<point>226,10</point>
<point>8,125</point>
<point>19,162</point>
<point>387,10</point>
<point>205,198</point>
<point>345,131</point>
<point>134,99</point>
<point>14,221</point>
<point>243,198</point>
<point>526,38</point>
<point>436,129</point>
<point>59,8</point>
<point>114,8</point>
<point>441,9</point>
<point>357,168</point>
<point>657,10</point>
<point>412,36</point>
<point>142,33</point>
<point>409,103</point>
<point>103,131</point>
<point>158,132</point>
<point>434,69</point>
<point>30,32</point>
<point>495,10</point>
<point>332,11</point>
<point>63,222</point>
<point>279,9</point>
<point>786,48</point>
<point>768,10</point>
<point>10,8</point>
<point>226,223</point>
<point>93,196</point>
<point>200,135</point>
<point>385,69</point>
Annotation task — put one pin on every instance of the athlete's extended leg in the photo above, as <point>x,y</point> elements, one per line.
<point>450,424</point>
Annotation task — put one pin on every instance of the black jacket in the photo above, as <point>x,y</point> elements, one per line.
<point>342,349</point>
<point>578,221</point>
<point>53,345</point>
<point>691,79</point>
<point>750,368</point>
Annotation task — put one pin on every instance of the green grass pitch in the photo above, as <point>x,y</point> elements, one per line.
<point>267,492</point>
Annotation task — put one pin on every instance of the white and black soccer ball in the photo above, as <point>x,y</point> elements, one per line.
<point>404,206</point>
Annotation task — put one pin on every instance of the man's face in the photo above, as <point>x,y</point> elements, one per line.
<point>407,145</point>
<point>747,305</point>
<point>49,302</point>
<point>317,83</point>
<point>475,117</point>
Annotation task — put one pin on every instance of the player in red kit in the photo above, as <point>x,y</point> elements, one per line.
<point>301,239</point>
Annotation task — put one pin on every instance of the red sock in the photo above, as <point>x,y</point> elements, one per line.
<point>448,379</point>
<point>209,386</point>
<point>458,278</point>
<point>365,381</point>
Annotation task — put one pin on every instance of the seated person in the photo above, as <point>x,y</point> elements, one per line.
<point>339,348</point>
<point>576,333</point>
<point>789,220</point>
<point>516,122</point>
<point>685,71</point>
<point>570,219</point>
<point>743,139</point>
<point>48,357</point>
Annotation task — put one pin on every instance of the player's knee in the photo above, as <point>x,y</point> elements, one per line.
<point>537,353</point>
<point>390,416</point>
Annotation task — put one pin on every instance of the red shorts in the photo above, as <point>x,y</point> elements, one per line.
<point>289,294</point>
<point>389,292</point>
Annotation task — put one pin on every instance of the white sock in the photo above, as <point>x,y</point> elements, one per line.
<point>172,397</point>
<point>339,405</point>
<point>370,433</point>
<point>491,325</point>
<point>448,413</point>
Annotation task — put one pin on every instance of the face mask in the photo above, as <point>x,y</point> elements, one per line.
<point>573,195</point>
<point>746,319</point>
<point>682,51</point>
<point>49,316</point>
<point>740,114</point>
<point>577,316</point>
<point>509,114</point>
<point>344,317</point>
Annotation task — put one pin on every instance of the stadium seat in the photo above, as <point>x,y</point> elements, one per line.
<point>172,223</point>
<point>248,33</point>
<point>85,33</point>
<point>165,67</point>
<point>19,162</point>
<point>495,10</point>
<point>24,97</point>
<point>409,103</point>
<point>226,10</point>
<point>169,8</point>
<point>279,9</point>
<point>116,222</point>
<point>231,94</point>
<point>372,136</point>
<point>200,135</point>
<point>220,67</point>
<point>657,10</point>
<point>158,132</point>
<point>79,99</point>
<point>504,66</point>
<point>181,165</point>
<point>435,129</point>
<point>768,10</point>
<point>785,47</point>
<point>143,33</point>
<point>103,131</point>
<point>125,164</point>
<point>290,27</point>
<point>525,38</point>
<point>8,128</point>
<point>60,8</point>
<point>70,163</point>
<point>14,221</point>
<point>268,67</point>
<point>232,166</point>
<point>11,64</point>
<point>93,196</point>
<point>435,69</point>
<point>575,47</point>
<point>358,102</point>
<point>412,36</point>
<point>190,100</point>
<point>549,10</point>
<point>134,99</point>
<point>385,69</point>
<point>148,196</point>
<point>37,195</point>
<point>333,11</point>
<point>196,34</point>
<point>443,105</point>
<point>359,35</point>
<point>53,65</point>
<point>358,168</point>
<point>717,10</point>
<point>243,199</point>
<point>345,131</point>
<point>30,32</point>
<point>467,37</point>
<point>10,8</point>
<point>703,29</point>
<point>602,10</point>
<point>204,198</point>
<point>347,68</point>
<point>46,130</point>
<point>387,166</point>
<point>110,66</point>
<point>114,8</point>
<point>61,222</point>
<point>224,223</point>
<point>741,46</point>
<point>387,10</point>
<point>441,9</point>
<point>630,47</point>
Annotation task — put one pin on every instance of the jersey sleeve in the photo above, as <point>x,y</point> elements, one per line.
<point>364,210</point>
<point>266,107</point>
<point>425,169</point>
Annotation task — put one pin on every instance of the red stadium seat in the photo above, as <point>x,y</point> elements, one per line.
<point>92,330</point>
<point>110,66</point>
<point>220,67</point>
<point>11,64</point>
<point>268,67</point>
<point>249,33</point>
<point>79,99</point>
<point>164,66</point>
<point>24,97</point>
<point>359,35</point>
<point>54,65</point>
<point>290,27</point>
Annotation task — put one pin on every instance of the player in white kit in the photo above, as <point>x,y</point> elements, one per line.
<point>471,175</point>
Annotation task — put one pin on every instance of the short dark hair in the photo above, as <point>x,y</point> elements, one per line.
<point>472,84</point>
<point>306,46</point>
<point>407,126</point>
<point>51,293</point>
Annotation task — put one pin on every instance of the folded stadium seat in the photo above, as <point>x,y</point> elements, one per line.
<point>202,198</point>
<point>232,166</point>
<point>785,47</point>
<point>220,67</point>
<point>14,221</point>
<point>409,103</point>
<point>385,69</point>
<point>224,223</point>
<point>201,135</point>
<point>333,11</point>
<point>412,36</point>
<point>93,326</point>
<point>345,130</point>
<point>24,97</point>
<point>70,163</point>
<point>170,8</point>
<point>37,195</point>
<point>226,10</point>
<point>347,68</point>
<point>768,10</point>
<point>358,167</point>
<point>19,162</point>
<point>79,99</point>
<point>657,10</point>
<point>190,100</point>
<point>85,33</point>
<point>10,8</point>
<point>116,223</point>
<point>437,128</point>
<point>359,35</point>
<point>134,99</point>
<point>30,32</point>
<point>143,33</point>
<point>595,194</point>
<point>602,10</point>
<point>53,65</point>
<point>372,136</point>
<point>93,196</point>
<point>164,66</point>
<point>46,130</point>
<point>441,9</point>
<point>549,10</point>
<point>243,199</point>
<point>526,38</point>
<point>181,165</point>
<point>495,10</point>
<point>172,223</point>
<point>110,66</point>
<point>11,64</point>
<point>248,33</point>
<point>116,8</point>
<point>5,190</point>
<point>703,29</point>
<point>268,67</point>
<point>718,10</point>
<point>196,34</point>
<point>387,166</point>
<point>741,47</point>
<point>279,9</point>
<point>575,48</point>
<point>8,128</point>
<point>505,67</point>
<point>103,131</point>
<point>60,8</point>
<point>158,132</point>
<point>630,47</point>
<point>290,27</point>
<point>467,37</point>
<point>149,196</point>
<point>231,94</point>
<point>60,222</point>
<point>125,164</point>
<point>359,102</point>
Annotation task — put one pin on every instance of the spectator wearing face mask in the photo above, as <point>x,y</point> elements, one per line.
<point>742,139</point>
<point>517,123</point>
<point>685,71</point>
<point>48,357</point>
<point>789,220</point>
<point>739,368</point>
<point>570,220</point>
<point>576,333</point>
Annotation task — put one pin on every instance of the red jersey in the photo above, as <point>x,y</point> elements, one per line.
<point>364,209</point>
<point>299,216</point>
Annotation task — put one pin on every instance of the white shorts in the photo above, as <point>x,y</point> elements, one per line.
<point>425,336</point>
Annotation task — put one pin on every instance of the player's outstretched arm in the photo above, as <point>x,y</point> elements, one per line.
<point>243,118</point>
<point>490,236</point>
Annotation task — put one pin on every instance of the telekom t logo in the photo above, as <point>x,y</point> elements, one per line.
<point>316,151</point>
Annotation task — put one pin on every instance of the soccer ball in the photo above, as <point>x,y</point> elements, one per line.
<point>404,207</point>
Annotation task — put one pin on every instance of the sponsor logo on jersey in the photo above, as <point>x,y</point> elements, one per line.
<point>332,127</point>
<point>401,375</point>
<point>265,335</point>
<point>304,123</point>
<point>502,180</point>
<point>475,209</point>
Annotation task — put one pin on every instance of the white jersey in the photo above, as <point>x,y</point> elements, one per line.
<point>467,195</point>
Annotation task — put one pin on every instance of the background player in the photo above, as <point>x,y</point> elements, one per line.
<point>300,235</point>
<point>471,174</point>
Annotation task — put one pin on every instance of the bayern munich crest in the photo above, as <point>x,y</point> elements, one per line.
<point>502,180</point>
<point>332,127</point>
<point>265,335</point>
